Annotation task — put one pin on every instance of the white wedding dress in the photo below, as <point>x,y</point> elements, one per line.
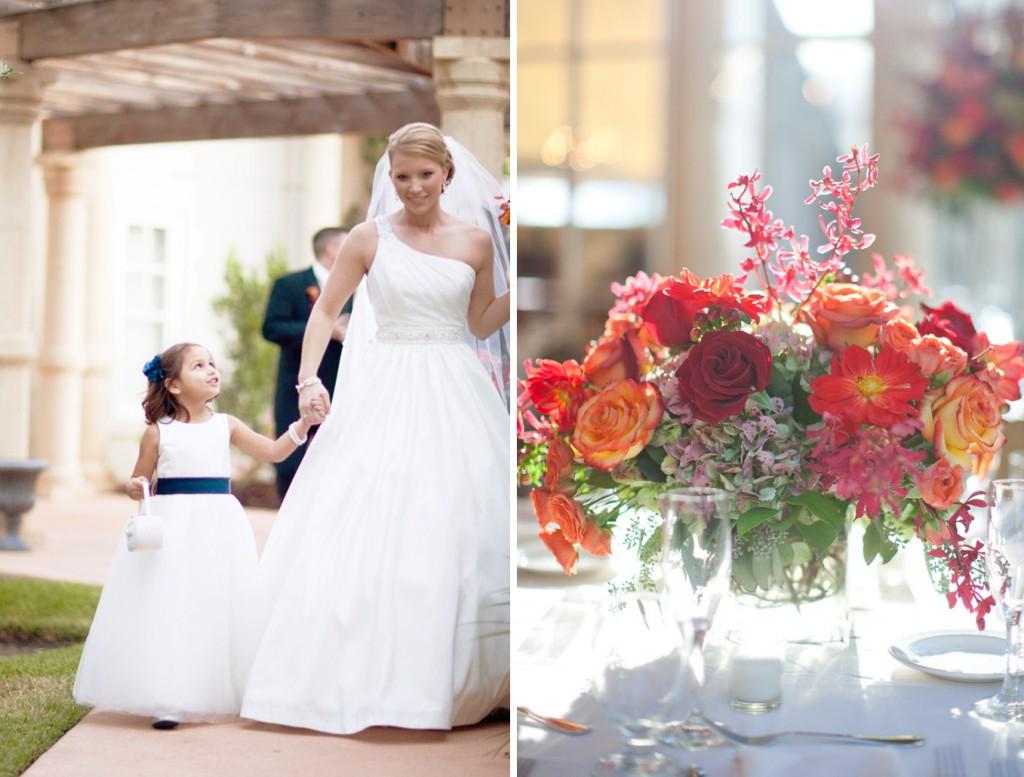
<point>386,578</point>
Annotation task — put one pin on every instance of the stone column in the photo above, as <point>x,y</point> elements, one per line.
<point>471,77</point>
<point>20,105</point>
<point>356,179</point>
<point>98,364</point>
<point>691,235</point>
<point>58,410</point>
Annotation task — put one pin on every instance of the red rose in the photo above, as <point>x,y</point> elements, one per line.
<point>683,303</point>
<point>721,371</point>
<point>949,321</point>
<point>669,319</point>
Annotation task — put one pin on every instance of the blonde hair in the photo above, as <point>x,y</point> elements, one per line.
<point>424,140</point>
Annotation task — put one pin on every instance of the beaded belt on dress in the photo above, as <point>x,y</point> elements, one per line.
<point>421,335</point>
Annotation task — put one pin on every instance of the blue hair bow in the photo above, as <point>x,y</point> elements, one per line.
<point>153,370</point>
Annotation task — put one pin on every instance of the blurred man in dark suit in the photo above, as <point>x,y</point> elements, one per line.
<point>291,300</point>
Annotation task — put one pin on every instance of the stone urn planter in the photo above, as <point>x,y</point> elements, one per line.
<point>17,497</point>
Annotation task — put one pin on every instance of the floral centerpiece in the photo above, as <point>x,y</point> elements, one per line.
<point>967,138</point>
<point>814,400</point>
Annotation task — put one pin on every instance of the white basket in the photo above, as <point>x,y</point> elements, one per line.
<point>144,531</point>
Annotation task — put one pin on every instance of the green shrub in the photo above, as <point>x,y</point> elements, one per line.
<point>251,362</point>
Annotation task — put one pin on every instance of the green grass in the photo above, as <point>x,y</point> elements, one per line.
<point>36,707</point>
<point>45,611</point>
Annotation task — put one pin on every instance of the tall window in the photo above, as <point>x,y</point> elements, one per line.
<point>794,91</point>
<point>591,158</point>
<point>144,310</point>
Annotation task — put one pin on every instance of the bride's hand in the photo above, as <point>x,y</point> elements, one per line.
<point>314,404</point>
<point>319,410</point>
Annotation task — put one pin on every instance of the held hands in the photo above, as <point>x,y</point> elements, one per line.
<point>134,488</point>
<point>314,404</point>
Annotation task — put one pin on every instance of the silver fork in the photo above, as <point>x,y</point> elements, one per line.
<point>949,761</point>
<point>823,736</point>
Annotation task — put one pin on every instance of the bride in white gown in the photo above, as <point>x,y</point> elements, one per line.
<point>385,580</point>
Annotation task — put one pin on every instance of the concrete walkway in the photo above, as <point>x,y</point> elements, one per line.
<point>74,539</point>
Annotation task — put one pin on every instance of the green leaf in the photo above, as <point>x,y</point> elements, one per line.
<point>786,554</point>
<point>827,508</point>
<point>743,574</point>
<point>761,566</point>
<point>802,410</point>
<point>820,535</point>
<point>763,401</point>
<point>872,542</point>
<point>599,478</point>
<point>779,385</point>
<point>887,549</point>
<point>777,571</point>
<point>801,552</point>
<point>649,464</point>
<point>755,516</point>
<point>788,521</point>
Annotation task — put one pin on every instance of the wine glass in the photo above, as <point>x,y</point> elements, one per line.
<point>696,564</point>
<point>642,682</point>
<point>1004,562</point>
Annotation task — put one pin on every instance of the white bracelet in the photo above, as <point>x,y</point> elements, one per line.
<point>294,436</point>
<point>314,381</point>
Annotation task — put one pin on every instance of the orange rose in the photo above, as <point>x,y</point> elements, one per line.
<point>937,354</point>
<point>616,424</point>
<point>844,314</point>
<point>962,420</point>
<point>563,527</point>
<point>611,360</point>
<point>900,335</point>
<point>941,484</point>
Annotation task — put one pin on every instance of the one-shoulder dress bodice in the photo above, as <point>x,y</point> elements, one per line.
<point>416,296</point>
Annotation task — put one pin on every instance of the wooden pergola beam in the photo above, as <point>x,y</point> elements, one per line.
<point>374,112</point>
<point>112,25</point>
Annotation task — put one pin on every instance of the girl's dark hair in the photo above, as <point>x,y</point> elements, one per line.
<point>159,402</point>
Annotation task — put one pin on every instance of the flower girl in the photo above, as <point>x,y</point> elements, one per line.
<point>172,638</point>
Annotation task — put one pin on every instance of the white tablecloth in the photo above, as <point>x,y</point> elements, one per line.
<point>858,688</point>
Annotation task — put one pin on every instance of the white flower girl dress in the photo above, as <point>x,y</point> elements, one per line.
<point>172,634</point>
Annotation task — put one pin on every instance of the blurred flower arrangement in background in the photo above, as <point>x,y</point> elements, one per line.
<point>966,140</point>
<point>817,400</point>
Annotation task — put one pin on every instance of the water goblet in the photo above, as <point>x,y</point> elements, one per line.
<point>696,565</point>
<point>642,682</point>
<point>1004,562</point>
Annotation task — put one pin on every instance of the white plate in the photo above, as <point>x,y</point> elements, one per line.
<point>963,656</point>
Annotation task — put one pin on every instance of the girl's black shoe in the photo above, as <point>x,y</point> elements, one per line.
<point>165,723</point>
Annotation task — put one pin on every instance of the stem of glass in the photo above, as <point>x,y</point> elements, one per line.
<point>1014,660</point>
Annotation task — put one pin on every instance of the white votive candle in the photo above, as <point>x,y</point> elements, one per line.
<point>755,682</point>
